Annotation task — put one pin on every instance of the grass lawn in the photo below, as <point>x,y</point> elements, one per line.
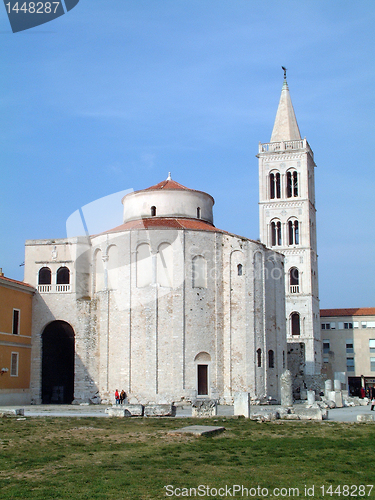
<point>110,458</point>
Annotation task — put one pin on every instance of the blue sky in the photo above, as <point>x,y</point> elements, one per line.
<point>113,95</point>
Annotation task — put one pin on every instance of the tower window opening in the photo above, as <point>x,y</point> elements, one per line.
<point>296,327</point>
<point>294,280</point>
<point>291,184</point>
<point>295,184</point>
<point>239,269</point>
<point>293,229</point>
<point>278,187</point>
<point>259,358</point>
<point>276,233</point>
<point>44,276</point>
<point>63,276</point>
<point>153,211</point>
<point>275,186</point>
<point>198,212</point>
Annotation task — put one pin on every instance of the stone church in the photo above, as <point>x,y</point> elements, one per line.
<point>168,307</point>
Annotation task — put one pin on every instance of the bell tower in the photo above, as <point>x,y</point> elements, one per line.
<point>288,224</point>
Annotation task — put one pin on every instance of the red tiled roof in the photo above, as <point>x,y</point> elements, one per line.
<point>168,184</point>
<point>10,281</point>
<point>361,311</point>
<point>167,223</point>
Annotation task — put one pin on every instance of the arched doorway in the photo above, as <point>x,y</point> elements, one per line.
<point>58,363</point>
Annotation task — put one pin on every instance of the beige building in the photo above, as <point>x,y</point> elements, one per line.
<point>165,306</point>
<point>348,340</point>
<point>15,340</point>
<point>287,217</point>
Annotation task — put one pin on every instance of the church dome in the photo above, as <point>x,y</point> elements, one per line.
<point>168,199</point>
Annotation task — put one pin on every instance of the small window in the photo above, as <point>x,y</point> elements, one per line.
<point>198,212</point>
<point>45,276</point>
<point>14,364</point>
<point>326,346</point>
<point>348,326</point>
<point>372,345</point>
<point>239,269</point>
<point>325,360</point>
<point>16,321</point>
<point>363,324</point>
<point>153,211</point>
<point>283,360</point>
<point>372,362</point>
<point>349,346</point>
<point>259,358</point>
<point>350,364</point>
<point>271,360</point>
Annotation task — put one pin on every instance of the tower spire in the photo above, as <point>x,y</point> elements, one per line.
<point>285,127</point>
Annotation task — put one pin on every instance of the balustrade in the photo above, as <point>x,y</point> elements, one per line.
<point>54,288</point>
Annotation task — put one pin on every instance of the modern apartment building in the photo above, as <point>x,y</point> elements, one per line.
<point>348,342</point>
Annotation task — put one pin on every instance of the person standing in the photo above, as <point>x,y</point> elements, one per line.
<point>122,397</point>
<point>117,397</point>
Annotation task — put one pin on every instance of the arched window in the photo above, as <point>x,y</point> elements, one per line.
<point>271,359</point>
<point>295,323</point>
<point>63,276</point>
<point>275,233</point>
<point>239,269</point>
<point>294,280</point>
<point>259,357</point>
<point>291,184</point>
<point>199,272</point>
<point>275,186</point>
<point>198,212</point>
<point>153,211</point>
<point>293,231</point>
<point>45,276</point>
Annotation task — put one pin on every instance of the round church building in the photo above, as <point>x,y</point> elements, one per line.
<point>166,306</point>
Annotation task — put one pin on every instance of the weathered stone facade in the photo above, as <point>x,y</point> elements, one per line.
<point>166,306</point>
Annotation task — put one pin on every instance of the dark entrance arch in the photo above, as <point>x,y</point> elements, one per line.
<point>58,363</point>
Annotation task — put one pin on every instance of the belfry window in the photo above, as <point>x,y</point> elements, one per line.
<point>45,276</point>
<point>198,212</point>
<point>294,280</point>
<point>153,211</point>
<point>292,184</point>
<point>293,230</point>
<point>275,233</point>
<point>295,323</point>
<point>63,276</point>
<point>275,186</point>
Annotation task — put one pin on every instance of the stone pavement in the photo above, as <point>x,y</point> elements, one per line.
<point>347,414</point>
